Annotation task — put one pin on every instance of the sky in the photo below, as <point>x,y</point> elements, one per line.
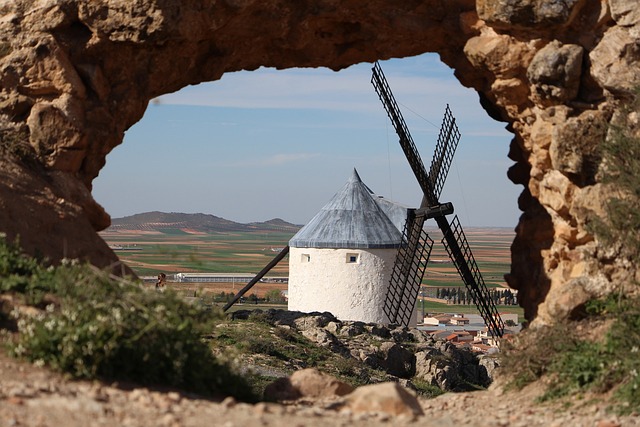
<point>269,143</point>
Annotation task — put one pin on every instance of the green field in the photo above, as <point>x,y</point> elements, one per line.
<point>434,307</point>
<point>178,251</point>
<point>175,250</point>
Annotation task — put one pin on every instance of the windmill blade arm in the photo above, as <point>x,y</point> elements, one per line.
<point>455,242</point>
<point>408,271</point>
<point>406,142</point>
<point>448,140</point>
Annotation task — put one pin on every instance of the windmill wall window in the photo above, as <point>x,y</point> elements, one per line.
<point>305,258</point>
<point>352,258</point>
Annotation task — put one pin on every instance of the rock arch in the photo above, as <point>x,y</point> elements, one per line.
<point>74,75</point>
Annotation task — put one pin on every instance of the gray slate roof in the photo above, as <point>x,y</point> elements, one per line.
<point>352,220</point>
<point>396,212</point>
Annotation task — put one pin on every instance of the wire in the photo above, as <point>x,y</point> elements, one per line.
<point>423,118</point>
<point>464,201</point>
<point>389,160</point>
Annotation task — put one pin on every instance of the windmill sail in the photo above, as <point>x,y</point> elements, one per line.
<point>406,141</point>
<point>448,139</point>
<point>408,271</point>
<point>455,242</point>
<point>454,239</point>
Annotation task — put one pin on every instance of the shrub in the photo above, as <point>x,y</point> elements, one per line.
<point>16,269</point>
<point>575,364</point>
<point>621,171</point>
<point>97,326</point>
<point>5,49</point>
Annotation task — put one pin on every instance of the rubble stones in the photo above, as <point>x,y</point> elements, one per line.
<point>32,396</point>
<point>405,353</point>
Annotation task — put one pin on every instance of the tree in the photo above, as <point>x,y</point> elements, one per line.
<point>275,296</point>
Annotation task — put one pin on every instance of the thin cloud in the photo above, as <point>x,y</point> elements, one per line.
<point>282,159</point>
<point>274,160</point>
<point>347,90</point>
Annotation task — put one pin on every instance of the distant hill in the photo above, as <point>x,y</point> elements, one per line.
<point>203,223</point>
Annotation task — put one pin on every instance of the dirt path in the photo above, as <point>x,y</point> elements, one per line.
<point>33,396</point>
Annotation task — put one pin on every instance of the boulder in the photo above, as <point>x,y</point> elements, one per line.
<point>452,369</point>
<point>306,383</point>
<point>388,398</point>
<point>555,72</point>
<point>397,360</point>
<point>488,366</point>
<point>324,338</point>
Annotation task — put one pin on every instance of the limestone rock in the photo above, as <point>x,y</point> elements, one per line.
<point>613,60</point>
<point>387,398</point>
<point>489,364</point>
<point>625,12</point>
<point>406,354</point>
<point>306,383</point>
<point>316,321</point>
<point>555,72</point>
<point>574,149</point>
<point>450,368</point>
<point>526,13</point>
<point>397,360</point>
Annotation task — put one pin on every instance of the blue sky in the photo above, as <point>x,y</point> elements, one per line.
<point>280,143</point>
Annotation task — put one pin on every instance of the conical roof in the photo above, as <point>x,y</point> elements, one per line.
<point>352,219</point>
<point>396,212</point>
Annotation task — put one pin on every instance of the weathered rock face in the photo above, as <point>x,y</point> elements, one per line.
<point>402,354</point>
<point>74,75</point>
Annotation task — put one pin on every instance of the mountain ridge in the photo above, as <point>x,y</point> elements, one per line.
<point>198,222</point>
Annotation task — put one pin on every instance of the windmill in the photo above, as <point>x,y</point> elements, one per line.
<point>413,255</point>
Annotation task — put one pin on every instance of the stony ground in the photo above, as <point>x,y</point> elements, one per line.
<point>33,396</point>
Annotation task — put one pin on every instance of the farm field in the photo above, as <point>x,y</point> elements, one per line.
<point>175,250</point>
<point>435,307</point>
<point>491,250</point>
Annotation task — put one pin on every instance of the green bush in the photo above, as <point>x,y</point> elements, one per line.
<point>571,360</point>
<point>426,389</point>
<point>97,326</point>
<point>576,364</point>
<point>17,270</point>
<point>5,49</point>
<point>621,171</point>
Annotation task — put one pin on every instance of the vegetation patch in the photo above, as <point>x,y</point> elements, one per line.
<point>266,351</point>
<point>5,49</point>
<point>15,143</point>
<point>600,352</point>
<point>621,172</point>
<point>426,389</point>
<point>91,325</point>
<point>574,363</point>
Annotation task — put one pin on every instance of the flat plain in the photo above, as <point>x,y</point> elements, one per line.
<point>170,251</point>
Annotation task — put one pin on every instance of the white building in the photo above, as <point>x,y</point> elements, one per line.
<point>214,277</point>
<point>341,261</point>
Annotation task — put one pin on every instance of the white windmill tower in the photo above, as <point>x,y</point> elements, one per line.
<point>341,261</point>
